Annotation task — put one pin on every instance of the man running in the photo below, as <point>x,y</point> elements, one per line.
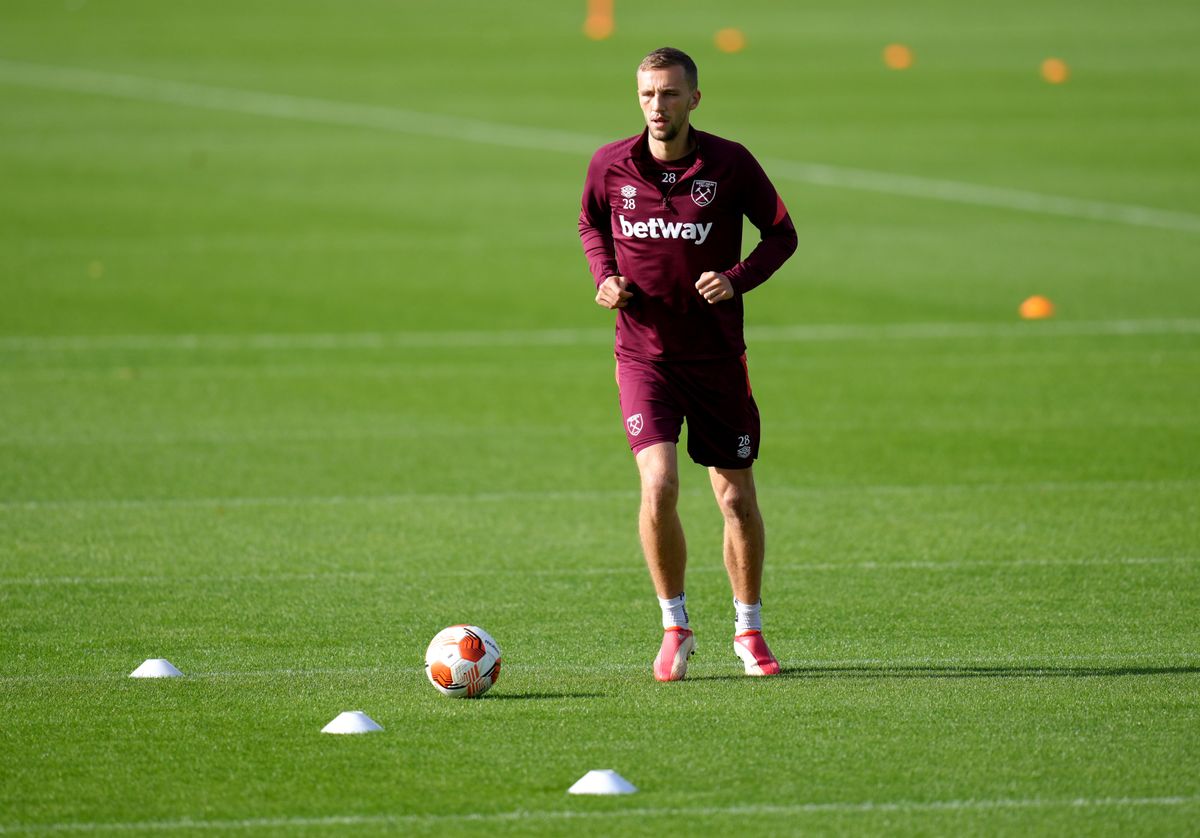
<point>661,226</point>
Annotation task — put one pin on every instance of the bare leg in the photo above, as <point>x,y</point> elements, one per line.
<point>658,521</point>
<point>745,537</point>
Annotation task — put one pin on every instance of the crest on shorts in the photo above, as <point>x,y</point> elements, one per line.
<point>703,192</point>
<point>634,423</point>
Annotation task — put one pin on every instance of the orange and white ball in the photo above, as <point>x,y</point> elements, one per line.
<point>462,661</point>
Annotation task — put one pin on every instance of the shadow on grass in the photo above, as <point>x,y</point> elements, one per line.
<point>1015,671</point>
<point>503,696</point>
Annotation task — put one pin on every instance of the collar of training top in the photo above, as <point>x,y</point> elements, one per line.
<point>640,150</point>
<point>639,153</point>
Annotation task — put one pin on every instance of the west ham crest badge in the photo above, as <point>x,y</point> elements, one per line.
<point>703,192</point>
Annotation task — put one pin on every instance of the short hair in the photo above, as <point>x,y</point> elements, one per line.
<point>664,57</point>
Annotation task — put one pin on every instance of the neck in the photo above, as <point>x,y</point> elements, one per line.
<point>668,150</point>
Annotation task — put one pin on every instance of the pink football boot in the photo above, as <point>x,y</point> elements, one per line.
<point>678,644</point>
<point>752,649</point>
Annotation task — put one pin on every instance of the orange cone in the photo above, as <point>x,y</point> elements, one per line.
<point>730,40</point>
<point>1037,308</point>
<point>897,57</point>
<point>599,23</point>
<point>1055,70</point>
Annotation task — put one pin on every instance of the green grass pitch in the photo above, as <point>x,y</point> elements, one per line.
<point>299,363</point>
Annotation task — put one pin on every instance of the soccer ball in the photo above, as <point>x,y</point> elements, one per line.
<point>462,661</point>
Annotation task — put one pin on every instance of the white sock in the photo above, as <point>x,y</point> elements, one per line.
<point>674,611</point>
<point>746,617</point>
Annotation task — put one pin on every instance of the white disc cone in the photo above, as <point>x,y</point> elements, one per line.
<point>352,721</point>
<point>156,668</point>
<point>605,781</point>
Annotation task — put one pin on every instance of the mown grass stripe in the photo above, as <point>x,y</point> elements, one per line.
<point>799,333</point>
<point>865,807</point>
<point>583,495</point>
<point>463,129</point>
<point>630,568</point>
<point>1047,664</point>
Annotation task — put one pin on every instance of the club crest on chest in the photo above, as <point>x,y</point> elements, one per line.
<point>703,192</point>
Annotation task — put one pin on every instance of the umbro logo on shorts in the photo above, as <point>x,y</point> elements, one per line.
<point>634,423</point>
<point>744,447</point>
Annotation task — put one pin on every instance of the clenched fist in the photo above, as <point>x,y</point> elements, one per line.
<point>613,293</point>
<point>714,286</point>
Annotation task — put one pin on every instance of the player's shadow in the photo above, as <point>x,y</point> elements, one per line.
<point>932,672</point>
<point>1008,671</point>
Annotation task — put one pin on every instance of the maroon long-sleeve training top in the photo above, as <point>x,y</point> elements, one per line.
<point>661,228</point>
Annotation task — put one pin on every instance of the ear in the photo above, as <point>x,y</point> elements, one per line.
<point>695,103</point>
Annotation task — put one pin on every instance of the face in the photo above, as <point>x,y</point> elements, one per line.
<point>667,101</point>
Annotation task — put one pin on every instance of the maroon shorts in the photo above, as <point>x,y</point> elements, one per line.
<point>713,396</point>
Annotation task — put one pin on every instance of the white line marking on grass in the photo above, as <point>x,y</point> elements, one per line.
<point>326,500</point>
<point>302,672</point>
<point>424,434</point>
<point>766,489</point>
<point>581,495</point>
<point>1046,664</point>
<point>294,108</point>
<point>407,427</point>
<point>807,333</point>
<point>398,431</point>
<point>402,367</point>
<point>284,672</point>
<point>998,197</point>
<point>866,807</point>
<point>317,342</point>
<point>222,578</point>
<point>632,568</point>
<point>802,333</point>
<point>401,121</point>
<point>968,564</point>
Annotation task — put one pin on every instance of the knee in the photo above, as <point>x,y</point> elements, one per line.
<point>660,489</point>
<point>738,504</point>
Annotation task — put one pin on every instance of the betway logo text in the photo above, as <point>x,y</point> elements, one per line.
<point>657,228</point>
